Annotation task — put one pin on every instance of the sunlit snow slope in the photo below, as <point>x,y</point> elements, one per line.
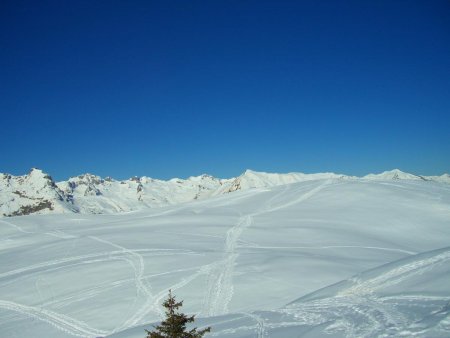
<point>37,193</point>
<point>262,262</point>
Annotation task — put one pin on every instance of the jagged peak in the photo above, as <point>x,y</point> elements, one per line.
<point>36,172</point>
<point>153,192</point>
<point>87,178</point>
<point>38,177</point>
<point>88,175</point>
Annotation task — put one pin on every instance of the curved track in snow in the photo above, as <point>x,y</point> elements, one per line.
<point>220,282</point>
<point>59,321</point>
<point>359,308</point>
<point>353,233</point>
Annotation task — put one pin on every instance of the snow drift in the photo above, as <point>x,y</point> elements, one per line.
<point>329,257</point>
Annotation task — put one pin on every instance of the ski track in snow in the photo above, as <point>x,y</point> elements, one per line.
<point>101,288</point>
<point>331,247</point>
<point>77,328</point>
<point>268,205</point>
<point>359,312</point>
<point>137,263</point>
<point>61,322</point>
<point>301,198</point>
<point>356,311</point>
<point>83,259</point>
<point>152,302</point>
<point>356,316</point>
<point>53,233</point>
<point>60,234</point>
<point>18,228</point>
<point>220,286</point>
<point>260,329</point>
<point>396,275</point>
<point>220,283</point>
<point>132,257</point>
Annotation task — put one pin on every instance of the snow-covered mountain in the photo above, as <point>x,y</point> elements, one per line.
<point>395,174</point>
<point>323,258</point>
<point>445,178</point>
<point>253,179</point>
<point>92,194</point>
<point>32,193</point>
<point>36,192</point>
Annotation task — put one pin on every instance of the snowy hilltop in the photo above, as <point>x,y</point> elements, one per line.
<point>32,193</point>
<point>327,257</point>
<point>37,193</point>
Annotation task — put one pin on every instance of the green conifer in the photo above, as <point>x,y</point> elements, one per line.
<point>174,326</point>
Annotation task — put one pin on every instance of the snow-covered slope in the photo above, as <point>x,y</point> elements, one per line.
<point>253,179</point>
<point>261,262</point>
<point>90,194</point>
<point>445,178</point>
<point>405,298</point>
<point>395,174</point>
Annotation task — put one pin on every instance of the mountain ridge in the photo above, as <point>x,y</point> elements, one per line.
<point>37,192</point>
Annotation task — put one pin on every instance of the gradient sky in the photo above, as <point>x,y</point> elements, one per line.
<point>179,88</point>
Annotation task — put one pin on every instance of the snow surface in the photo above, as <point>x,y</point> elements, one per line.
<point>396,174</point>
<point>324,258</point>
<point>37,193</point>
<point>32,193</point>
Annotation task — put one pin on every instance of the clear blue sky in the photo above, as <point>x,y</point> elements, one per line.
<point>179,88</point>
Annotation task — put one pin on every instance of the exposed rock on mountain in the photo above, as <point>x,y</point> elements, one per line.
<point>36,192</point>
<point>92,194</point>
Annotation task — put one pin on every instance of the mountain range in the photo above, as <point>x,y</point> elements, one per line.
<point>37,193</point>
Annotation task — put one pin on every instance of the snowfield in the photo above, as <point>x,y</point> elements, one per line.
<point>326,257</point>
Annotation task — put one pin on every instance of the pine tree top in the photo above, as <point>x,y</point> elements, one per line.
<point>174,326</point>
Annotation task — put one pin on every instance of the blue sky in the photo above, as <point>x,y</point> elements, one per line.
<point>179,88</point>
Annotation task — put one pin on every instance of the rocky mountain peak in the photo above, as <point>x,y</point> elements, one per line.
<point>36,192</point>
<point>87,179</point>
<point>38,179</point>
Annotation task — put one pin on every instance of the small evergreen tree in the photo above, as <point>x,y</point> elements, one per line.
<point>174,326</point>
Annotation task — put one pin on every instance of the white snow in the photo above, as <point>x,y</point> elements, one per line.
<point>37,193</point>
<point>395,174</point>
<point>332,257</point>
